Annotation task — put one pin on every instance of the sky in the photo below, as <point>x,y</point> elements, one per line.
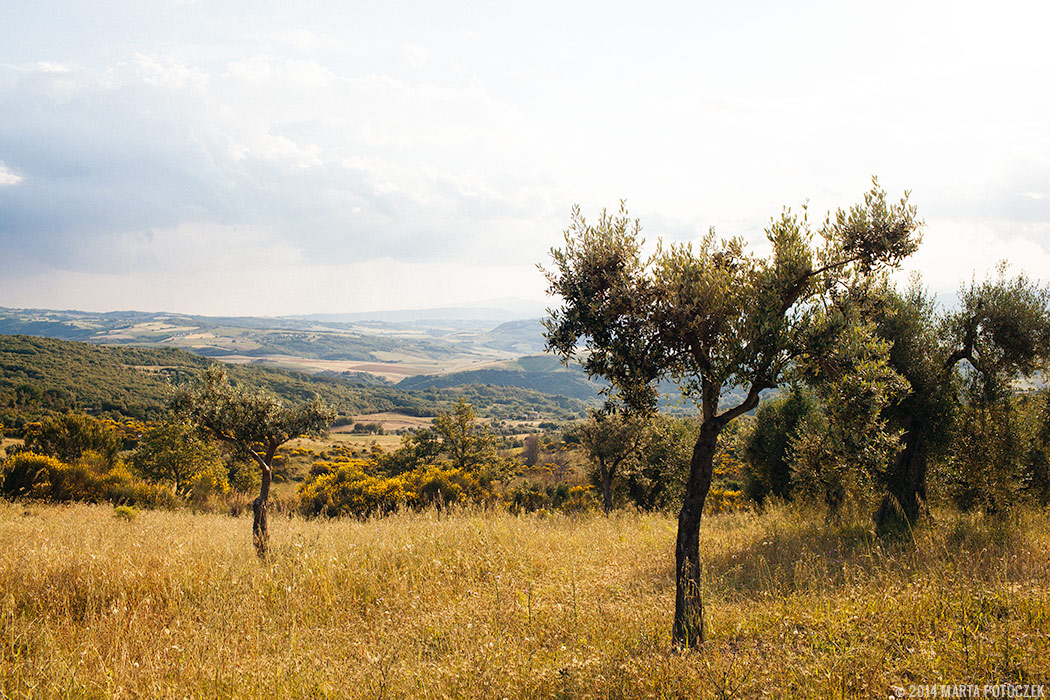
<point>274,158</point>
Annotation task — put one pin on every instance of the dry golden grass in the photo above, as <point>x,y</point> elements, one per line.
<point>489,605</point>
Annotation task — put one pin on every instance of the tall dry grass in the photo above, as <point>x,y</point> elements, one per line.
<point>490,605</point>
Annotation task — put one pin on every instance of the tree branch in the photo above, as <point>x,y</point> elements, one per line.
<point>746,405</point>
<point>793,292</point>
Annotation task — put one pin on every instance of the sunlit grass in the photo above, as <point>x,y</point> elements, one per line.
<point>481,605</point>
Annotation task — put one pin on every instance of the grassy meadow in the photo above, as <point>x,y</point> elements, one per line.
<point>490,605</point>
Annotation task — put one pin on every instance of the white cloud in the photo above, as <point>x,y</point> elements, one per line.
<point>49,67</point>
<point>7,177</point>
<point>417,56</point>
<point>306,137</point>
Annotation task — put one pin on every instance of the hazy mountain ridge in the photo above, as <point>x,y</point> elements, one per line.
<point>541,373</point>
<point>48,374</point>
<point>258,337</point>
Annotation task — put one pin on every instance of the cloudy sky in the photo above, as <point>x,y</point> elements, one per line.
<point>228,157</point>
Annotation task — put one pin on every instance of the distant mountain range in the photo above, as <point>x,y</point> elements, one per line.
<point>439,335</point>
<point>414,350</point>
<point>483,315</point>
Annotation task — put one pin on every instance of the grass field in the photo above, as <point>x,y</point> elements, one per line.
<point>489,605</point>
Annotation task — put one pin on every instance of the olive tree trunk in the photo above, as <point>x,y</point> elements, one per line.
<point>607,498</point>
<point>260,532</point>
<point>907,487</point>
<point>688,628</point>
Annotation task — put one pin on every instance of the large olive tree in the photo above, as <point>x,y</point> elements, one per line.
<point>255,423</point>
<point>711,316</point>
<point>998,332</point>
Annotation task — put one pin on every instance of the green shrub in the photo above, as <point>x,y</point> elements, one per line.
<point>124,513</point>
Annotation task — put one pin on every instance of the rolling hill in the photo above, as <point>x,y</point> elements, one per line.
<point>44,374</point>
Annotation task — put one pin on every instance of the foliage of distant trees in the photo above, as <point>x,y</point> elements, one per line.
<point>454,461</point>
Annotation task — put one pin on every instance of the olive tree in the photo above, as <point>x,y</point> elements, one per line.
<point>457,438</point>
<point>174,453</point>
<point>255,423</point>
<point>999,332</point>
<point>612,441</point>
<point>711,316</point>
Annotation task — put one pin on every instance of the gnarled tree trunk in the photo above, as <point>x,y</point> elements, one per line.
<point>260,506</point>
<point>688,628</point>
<point>908,480</point>
<point>606,477</point>
<point>260,533</point>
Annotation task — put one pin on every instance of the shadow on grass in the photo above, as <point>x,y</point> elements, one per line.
<point>795,551</point>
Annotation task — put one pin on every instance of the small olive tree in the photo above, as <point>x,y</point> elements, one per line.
<point>612,441</point>
<point>255,423</point>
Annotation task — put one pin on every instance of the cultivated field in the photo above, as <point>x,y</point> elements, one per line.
<point>490,605</point>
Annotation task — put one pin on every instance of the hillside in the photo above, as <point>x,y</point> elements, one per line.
<point>542,373</point>
<point>220,336</point>
<point>522,337</point>
<point>41,374</point>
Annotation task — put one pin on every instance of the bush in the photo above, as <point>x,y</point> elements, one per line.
<point>530,497</point>
<point>347,489</point>
<point>441,486</point>
<point>352,488</point>
<point>126,513</point>
<point>69,435</point>
<point>722,500</point>
<point>24,469</point>
<point>31,475</point>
